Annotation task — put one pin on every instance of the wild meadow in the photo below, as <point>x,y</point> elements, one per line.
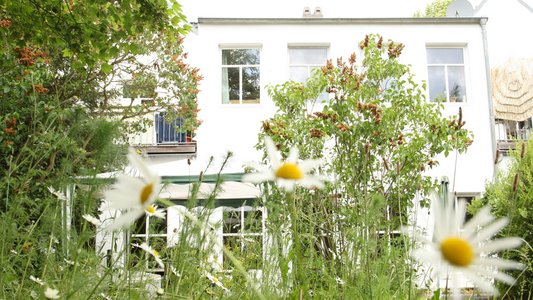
<point>342,182</point>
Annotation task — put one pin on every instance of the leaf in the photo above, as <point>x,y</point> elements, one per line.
<point>107,68</point>
<point>67,52</point>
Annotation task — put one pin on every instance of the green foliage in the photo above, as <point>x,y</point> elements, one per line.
<point>434,9</point>
<point>61,119</point>
<point>378,134</point>
<point>511,195</point>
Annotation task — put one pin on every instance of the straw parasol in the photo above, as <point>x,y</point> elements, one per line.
<point>512,89</point>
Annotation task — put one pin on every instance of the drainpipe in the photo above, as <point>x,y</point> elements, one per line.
<point>483,23</point>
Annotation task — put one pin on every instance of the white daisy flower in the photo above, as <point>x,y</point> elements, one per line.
<point>174,271</point>
<point>459,248</point>
<point>92,220</point>
<point>50,293</point>
<point>133,194</point>
<point>214,280</point>
<point>152,252</point>
<point>286,173</point>
<point>37,280</point>
<point>152,211</point>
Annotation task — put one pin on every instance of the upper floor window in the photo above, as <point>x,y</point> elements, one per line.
<point>446,74</point>
<point>240,76</point>
<point>303,60</point>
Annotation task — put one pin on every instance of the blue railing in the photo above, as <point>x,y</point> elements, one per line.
<point>168,133</point>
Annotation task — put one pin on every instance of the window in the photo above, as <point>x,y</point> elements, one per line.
<point>153,232</point>
<point>242,233</point>
<point>240,76</point>
<point>303,60</point>
<point>446,74</point>
<point>168,133</point>
<point>469,197</point>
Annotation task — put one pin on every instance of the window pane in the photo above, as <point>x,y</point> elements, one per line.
<point>232,221</point>
<point>307,56</point>
<point>139,227</point>
<point>157,225</point>
<point>436,83</point>
<point>445,55</point>
<point>250,84</point>
<point>253,221</point>
<point>230,84</point>
<point>240,56</point>
<point>456,84</point>
<point>298,73</point>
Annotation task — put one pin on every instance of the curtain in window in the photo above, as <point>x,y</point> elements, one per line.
<point>225,82</point>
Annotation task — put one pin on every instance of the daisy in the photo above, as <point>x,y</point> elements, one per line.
<point>152,252</point>
<point>466,248</point>
<point>286,173</point>
<point>152,211</point>
<point>133,194</point>
<point>214,280</point>
<point>37,280</point>
<point>95,221</point>
<point>50,293</point>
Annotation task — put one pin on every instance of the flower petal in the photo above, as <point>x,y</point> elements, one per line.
<point>272,152</point>
<point>480,282</point>
<point>293,155</point>
<point>310,164</point>
<point>258,177</point>
<point>138,164</point>
<point>125,220</point>
<point>500,244</point>
<point>499,263</point>
<point>490,230</point>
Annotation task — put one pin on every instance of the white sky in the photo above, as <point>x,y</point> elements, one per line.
<point>294,8</point>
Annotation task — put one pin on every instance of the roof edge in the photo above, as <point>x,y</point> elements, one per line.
<point>339,21</point>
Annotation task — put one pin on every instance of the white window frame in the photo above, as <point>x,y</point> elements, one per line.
<point>446,65</point>
<point>309,66</point>
<point>240,100</point>
<point>147,236</point>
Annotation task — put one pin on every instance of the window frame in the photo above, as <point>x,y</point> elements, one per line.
<point>240,68</point>
<point>309,66</point>
<point>146,237</point>
<point>463,48</point>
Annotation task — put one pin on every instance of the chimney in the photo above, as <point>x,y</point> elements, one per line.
<point>307,12</point>
<point>318,12</point>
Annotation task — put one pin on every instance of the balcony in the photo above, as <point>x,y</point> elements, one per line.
<point>509,133</point>
<point>164,138</point>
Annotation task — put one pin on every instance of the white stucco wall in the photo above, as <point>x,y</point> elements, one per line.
<point>234,127</point>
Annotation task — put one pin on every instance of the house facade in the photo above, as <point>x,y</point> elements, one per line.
<point>239,57</point>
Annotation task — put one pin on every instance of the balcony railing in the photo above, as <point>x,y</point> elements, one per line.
<point>509,133</point>
<point>164,138</point>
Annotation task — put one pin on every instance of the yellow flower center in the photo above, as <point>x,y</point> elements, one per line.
<point>289,171</point>
<point>146,192</point>
<point>155,253</point>
<point>457,251</point>
<point>151,209</point>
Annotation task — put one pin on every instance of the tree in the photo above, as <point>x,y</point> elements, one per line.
<point>378,134</point>
<point>434,9</point>
<point>60,114</point>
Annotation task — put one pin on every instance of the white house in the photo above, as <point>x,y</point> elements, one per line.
<point>239,54</point>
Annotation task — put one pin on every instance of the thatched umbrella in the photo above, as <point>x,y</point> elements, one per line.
<point>512,89</point>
